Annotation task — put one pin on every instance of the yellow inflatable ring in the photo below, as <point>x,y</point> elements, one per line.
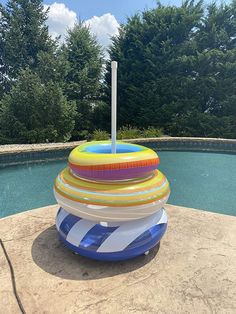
<point>94,161</point>
<point>131,193</point>
<point>108,213</point>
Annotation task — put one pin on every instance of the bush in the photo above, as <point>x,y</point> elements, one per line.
<point>203,125</point>
<point>34,112</point>
<point>99,135</point>
<point>81,135</point>
<point>152,132</point>
<point>127,132</point>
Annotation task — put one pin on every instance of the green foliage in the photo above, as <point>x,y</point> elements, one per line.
<point>23,35</point>
<point>101,116</point>
<point>85,60</point>
<point>178,65</point>
<point>52,66</point>
<point>99,135</point>
<point>83,79</point>
<point>204,125</point>
<point>152,132</point>
<point>146,50</point>
<point>127,132</point>
<point>33,107</point>
<point>177,75</point>
<point>34,112</point>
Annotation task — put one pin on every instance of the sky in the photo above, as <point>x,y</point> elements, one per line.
<point>102,16</point>
<point>86,9</point>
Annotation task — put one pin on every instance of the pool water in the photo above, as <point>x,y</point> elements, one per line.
<point>198,179</point>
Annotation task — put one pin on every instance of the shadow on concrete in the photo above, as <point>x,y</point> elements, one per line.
<point>54,258</point>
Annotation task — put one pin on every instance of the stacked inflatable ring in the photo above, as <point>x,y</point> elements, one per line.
<point>111,205</point>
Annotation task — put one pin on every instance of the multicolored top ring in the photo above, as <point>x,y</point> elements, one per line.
<point>94,161</point>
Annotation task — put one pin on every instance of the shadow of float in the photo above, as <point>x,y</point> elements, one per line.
<point>54,258</point>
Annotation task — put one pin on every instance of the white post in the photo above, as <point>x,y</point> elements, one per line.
<point>113,105</point>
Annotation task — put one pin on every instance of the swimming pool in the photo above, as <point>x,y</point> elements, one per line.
<point>198,179</point>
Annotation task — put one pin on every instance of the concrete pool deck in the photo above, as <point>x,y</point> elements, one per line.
<point>194,270</point>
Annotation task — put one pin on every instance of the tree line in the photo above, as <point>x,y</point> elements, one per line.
<point>177,72</point>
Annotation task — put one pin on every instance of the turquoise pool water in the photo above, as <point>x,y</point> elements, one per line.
<point>198,179</point>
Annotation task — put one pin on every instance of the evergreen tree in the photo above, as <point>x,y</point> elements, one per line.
<point>23,34</point>
<point>33,108</point>
<point>212,76</point>
<point>177,69</point>
<point>35,112</point>
<point>83,79</point>
<point>147,49</point>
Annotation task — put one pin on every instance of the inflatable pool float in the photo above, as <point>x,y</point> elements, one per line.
<point>73,194</point>
<point>110,242</point>
<point>95,161</point>
<point>111,205</point>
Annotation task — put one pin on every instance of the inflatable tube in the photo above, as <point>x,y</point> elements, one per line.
<point>109,214</point>
<point>94,161</point>
<point>111,242</point>
<point>115,195</point>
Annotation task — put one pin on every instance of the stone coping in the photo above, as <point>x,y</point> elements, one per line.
<point>26,148</point>
<point>194,270</point>
<point>183,139</point>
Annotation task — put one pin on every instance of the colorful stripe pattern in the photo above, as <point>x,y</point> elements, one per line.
<point>111,204</point>
<point>94,161</point>
<point>120,194</point>
<point>107,213</point>
<point>111,242</point>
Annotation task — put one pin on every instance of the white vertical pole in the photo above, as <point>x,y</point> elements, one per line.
<point>113,105</point>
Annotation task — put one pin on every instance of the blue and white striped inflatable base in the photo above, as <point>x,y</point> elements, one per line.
<point>111,241</point>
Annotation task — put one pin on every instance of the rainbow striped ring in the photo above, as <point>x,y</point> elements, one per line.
<point>110,241</point>
<point>94,161</point>
<point>113,194</point>
<point>109,214</point>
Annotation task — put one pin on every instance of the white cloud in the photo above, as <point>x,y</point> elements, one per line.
<point>61,18</point>
<point>103,27</point>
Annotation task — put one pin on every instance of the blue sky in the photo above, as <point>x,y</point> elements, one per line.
<point>85,9</point>
<point>102,16</point>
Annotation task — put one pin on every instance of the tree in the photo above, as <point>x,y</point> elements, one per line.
<point>34,112</point>
<point>212,79</point>
<point>177,69</point>
<point>33,108</point>
<point>146,49</point>
<point>83,79</point>
<point>23,34</point>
